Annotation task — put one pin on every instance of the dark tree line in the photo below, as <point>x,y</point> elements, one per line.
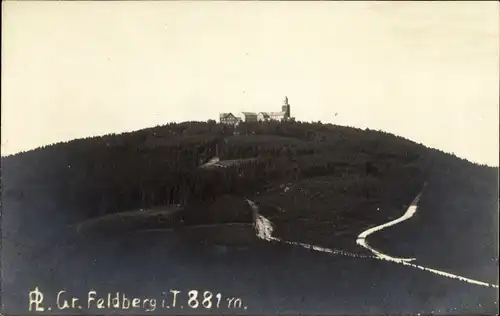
<point>160,165</point>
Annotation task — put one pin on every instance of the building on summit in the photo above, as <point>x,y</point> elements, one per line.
<point>284,114</point>
<point>248,116</point>
<point>276,116</point>
<point>229,118</point>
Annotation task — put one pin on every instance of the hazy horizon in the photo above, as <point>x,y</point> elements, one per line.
<point>424,71</point>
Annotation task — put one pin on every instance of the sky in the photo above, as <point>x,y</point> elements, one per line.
<point>427,71</point>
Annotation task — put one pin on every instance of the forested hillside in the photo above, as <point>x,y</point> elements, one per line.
<point>156,166</point>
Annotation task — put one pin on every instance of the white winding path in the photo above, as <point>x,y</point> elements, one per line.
<point>264,230</point>
<point>362,237</point>
<point>412,209</point>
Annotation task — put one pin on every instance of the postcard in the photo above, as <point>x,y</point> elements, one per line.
<point>249,157</point>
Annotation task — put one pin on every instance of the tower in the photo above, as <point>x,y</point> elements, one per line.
<point>285,108</point>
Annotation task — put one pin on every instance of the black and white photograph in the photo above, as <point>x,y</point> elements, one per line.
<point>249,157</point>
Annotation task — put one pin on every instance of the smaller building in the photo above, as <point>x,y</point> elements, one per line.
<point>229,118</point>
<point>273,116</point>
<point>263,116</point>
<point>248,116</point>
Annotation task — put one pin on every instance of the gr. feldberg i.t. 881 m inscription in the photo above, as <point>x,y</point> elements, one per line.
<point>171,299</point>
